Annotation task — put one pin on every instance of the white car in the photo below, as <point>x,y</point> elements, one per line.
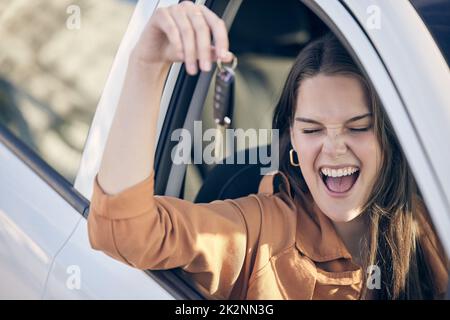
<point>402,46</point>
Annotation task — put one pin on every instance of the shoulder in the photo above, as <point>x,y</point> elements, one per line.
<point>269,215</point>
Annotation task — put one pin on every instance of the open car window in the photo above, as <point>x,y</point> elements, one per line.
<point>266,50</point>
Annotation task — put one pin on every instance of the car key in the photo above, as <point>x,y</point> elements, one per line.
<point>223,105</point>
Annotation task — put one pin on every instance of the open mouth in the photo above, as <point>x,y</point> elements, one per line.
<point>340,184</point>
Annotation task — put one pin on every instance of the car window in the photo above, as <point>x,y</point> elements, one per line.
<point>436,15</point>
<point>265,54</point>
<point>54,60</point>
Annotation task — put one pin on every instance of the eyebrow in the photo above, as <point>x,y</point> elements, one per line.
<point>346,122</point>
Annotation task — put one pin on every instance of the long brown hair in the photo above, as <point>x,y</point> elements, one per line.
<point>393,242</point>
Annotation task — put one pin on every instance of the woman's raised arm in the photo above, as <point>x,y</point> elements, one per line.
<point>177,33</point>
<point>212,242</point>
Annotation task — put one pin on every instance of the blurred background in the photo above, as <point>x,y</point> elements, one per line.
<point>54,60</point>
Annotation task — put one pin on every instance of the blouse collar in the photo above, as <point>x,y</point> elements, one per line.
<point>316,236</point>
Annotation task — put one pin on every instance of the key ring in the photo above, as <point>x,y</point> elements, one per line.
<point>233,64</point>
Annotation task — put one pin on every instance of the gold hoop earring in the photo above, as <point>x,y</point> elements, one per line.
<point>291,157</point>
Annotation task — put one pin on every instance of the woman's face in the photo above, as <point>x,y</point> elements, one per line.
<point>336,145</point>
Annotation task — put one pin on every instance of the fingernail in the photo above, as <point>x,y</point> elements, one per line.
<point>193,68</point>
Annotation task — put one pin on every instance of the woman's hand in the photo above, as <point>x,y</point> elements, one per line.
<point>182,32</point>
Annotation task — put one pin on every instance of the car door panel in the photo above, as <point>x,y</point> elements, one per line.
<point>35,221</point>
<point>80,272</point>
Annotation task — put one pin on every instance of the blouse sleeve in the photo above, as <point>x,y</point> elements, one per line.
<point>214,242</point>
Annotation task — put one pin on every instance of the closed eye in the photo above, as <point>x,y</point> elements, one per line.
<point>359,129</point>
<point>309,131</point>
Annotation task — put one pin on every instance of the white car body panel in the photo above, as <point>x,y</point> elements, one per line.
<point>34,224</point>
<point>100,277</point>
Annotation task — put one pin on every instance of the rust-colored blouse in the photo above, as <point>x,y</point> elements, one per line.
<point>257,247</point>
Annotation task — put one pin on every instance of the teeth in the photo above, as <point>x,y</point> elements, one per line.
<point>339,172</point>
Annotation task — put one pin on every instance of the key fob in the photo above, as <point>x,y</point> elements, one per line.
<point>223,96</point>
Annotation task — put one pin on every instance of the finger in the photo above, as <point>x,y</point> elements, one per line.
<point>202,36</point>
<point>170,29</point>
<point>220,34</point>
<point>214,57</point>
<point>187,37</point>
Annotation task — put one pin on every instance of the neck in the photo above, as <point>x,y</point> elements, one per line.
<point>352,233</point>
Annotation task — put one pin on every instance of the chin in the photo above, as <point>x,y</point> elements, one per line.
<point>341,215</point>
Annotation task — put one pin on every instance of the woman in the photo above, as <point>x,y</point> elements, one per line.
<point>339,228</point>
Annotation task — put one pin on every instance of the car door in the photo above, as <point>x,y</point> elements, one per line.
<point>181,104</point>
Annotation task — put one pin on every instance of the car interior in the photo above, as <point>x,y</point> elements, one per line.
<point>265,49</point>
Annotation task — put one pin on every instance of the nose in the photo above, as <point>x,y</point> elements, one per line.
<point>334,144</point>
